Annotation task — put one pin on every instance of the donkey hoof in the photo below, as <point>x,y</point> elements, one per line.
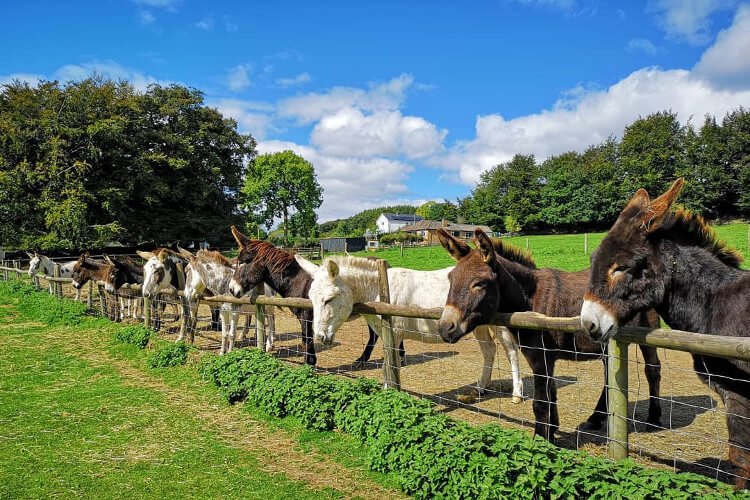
<point>516,399</point>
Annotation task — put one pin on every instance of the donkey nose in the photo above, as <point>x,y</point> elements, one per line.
<point>590,326</point>
<point>446,329</point>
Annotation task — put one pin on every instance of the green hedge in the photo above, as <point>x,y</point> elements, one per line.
<point>433,455</point>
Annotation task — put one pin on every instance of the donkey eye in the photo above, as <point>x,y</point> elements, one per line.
<point>478,286</point>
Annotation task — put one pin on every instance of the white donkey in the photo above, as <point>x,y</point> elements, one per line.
<point>45,265</point>
<point>212,272</point>
<point>340,282</point>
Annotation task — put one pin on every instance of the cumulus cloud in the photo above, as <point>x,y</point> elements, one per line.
<point>597,115</point>
<point>109,69</point>
<point>688,20</point>
<point>30,78</point>
<point>252,117</point>
<point>239,77</point>
<point>309,108</point>
<point>727,62</point>
<point>351,132</point>
<point>206,24</point>
<point>300,79</point>
<point>642,45</point>
<point>351,184</point>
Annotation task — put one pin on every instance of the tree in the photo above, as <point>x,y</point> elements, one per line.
<point>433,210</point>
<point>283,185</point>
<point>736,127</point>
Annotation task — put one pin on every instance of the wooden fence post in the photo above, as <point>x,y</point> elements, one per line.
<point>260,320</point>
<point>391,361</point>
<point>102,305</point>
<point>617,396</point>
<point>586,243</point>
<point>90,298</point>
<point>147,313</point>
<point>57,287</point>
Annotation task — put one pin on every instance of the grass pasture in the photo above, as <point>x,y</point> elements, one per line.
<point>561,251</point>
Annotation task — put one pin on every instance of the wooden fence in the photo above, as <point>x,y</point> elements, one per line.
<point>617,382</point>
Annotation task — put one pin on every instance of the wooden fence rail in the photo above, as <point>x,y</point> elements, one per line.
<point>696,343</point>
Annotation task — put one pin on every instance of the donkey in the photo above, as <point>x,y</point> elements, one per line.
<point>673,262</point>
<point>340,282</point>
<point>211,272</point>
<point>260,261</point>
<point>499,278</point>
<point>86,269</point>
<point>45,265</point>
<point>121,272</point>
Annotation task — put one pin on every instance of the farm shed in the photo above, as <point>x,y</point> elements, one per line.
<point>339,245</point>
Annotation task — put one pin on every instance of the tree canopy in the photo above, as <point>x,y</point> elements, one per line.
<point>88,162</point>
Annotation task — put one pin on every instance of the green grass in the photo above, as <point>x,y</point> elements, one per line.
<point>564,251</point>
<point>73,425</point>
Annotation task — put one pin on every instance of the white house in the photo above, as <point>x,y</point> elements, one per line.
<point>389,223</point>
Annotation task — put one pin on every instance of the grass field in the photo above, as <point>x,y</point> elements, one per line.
<point>565,251</point>
<point>82,416</point>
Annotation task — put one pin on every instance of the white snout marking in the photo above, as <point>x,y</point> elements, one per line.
<point>235,288</point>
<point>598,321</point>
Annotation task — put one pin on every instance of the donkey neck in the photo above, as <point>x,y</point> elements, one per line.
<point>517,284</point>
<point>289,281</point>
<point>362,282</point>
<point>692,279</point>
<point>215,278</point>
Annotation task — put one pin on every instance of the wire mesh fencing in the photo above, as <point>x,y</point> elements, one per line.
<point>690,435</point>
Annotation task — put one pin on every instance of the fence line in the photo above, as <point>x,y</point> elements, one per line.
<point>617,383</point>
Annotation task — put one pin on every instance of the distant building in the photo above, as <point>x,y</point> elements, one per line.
<point>427,229</point>
<point>390,223</point>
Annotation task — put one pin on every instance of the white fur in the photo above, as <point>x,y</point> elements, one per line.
<point>45,265</point>
<point>340,282</point>
<point>598,321</point>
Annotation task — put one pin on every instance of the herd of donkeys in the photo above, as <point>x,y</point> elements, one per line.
<point>654,262</point>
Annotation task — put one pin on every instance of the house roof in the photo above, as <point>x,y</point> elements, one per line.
<point>402,217</point>
<point>432,225</point>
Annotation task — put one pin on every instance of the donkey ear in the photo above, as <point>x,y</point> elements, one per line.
<point>640,200</point>
<point>658,209</point>
<point>240,238</point>
<point>106,257</point>
<point>306,265</point>
<point>186,254</point>
<point>30,256</point>
<point>332,268</point>
<point>144,255</point>
<point>486,248</point>
<point>456,248</point>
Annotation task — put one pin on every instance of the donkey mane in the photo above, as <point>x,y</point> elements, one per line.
<point>688,228</point>
<point>213,256</point>
<point>512,253</point>
<point>266,253</point>
<point>352,262</point>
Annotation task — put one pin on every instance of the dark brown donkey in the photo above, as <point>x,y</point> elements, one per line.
<point>499,278</point>
<point>86,269</point>
<point>673,262</point>
<point>261,262</point>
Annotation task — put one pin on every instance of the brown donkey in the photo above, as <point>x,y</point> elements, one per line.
<point>673,262</point>
<point>499,278</point>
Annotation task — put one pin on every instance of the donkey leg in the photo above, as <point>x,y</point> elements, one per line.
<point>738,408</point>
<point>599,416</point>
<point>305,319</point>
<point>225,326</point>
<point>488,349</point>
<point>653,376</point>
<point>270,328</point>
<point>545,394</point>
<point>371,341</point>
<point>508,341</point>
<point>233,318</point>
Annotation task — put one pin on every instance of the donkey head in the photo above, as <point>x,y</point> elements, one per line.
<point>332,299</point>
<point>246,276</point>
<point>81,274</point>
<point>626,275</point>
<point>474,293</point>
<point>115,276</point>
<point>157,274</point>
<point>194,284</point>
<point>34,263</point>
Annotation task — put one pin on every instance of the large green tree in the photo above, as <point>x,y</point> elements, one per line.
<point>283,186</point>
<point>87,162</point>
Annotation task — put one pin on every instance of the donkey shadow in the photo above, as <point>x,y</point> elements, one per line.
<point>408,360</point>
<point>467,396</point>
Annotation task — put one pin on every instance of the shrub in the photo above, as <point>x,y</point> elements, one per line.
<point>137,335</point>
<point>168,354</point>
<point>400,237</point>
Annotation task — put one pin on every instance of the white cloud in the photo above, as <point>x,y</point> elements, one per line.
<point>239,77</point>
<point>160,4</point>
<point>642,45</point>
<point>206,24</point>
<point>350,132</point>
<point>146,17</point>
<point>252,117</point>
<point>309,108</point>
<point>351,184</point>
<point>109,69</point>
<point>29,78</point>
<point>688,20</point>
<point>727,62</point>
<point>300,79</point>
<point>597,115</point>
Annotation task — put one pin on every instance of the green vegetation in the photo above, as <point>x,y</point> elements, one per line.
<point>432,455</point>
<point>357,224</point>
<point>137,335</point>
<point>168,354</point>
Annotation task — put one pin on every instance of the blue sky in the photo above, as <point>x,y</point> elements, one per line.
<point>404,101</point>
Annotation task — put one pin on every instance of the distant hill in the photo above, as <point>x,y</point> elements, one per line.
<point>357,224</point>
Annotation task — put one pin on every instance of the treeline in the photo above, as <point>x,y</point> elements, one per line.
<point>586,190</point>
<point>357,224</point>
<point>89,162</point>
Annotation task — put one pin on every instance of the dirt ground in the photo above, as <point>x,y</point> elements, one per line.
<point>692,436</point>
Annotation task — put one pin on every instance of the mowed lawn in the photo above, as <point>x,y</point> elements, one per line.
<point>83,417</point>
<point>563,251</point>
